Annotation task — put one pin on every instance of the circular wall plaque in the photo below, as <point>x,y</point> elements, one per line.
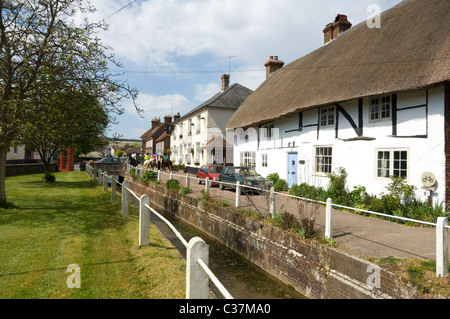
<point>428,179</point>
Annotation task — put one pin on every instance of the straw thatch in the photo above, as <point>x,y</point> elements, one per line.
<point>411,50</point>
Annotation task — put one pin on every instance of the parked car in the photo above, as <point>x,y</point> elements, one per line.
<point>245,175</point>
<point>211,171</point>
<point>109,160</point>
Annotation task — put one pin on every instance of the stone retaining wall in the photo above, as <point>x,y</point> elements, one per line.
<point>315,270</point>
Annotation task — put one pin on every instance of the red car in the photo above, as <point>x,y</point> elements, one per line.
<point>211,171</point>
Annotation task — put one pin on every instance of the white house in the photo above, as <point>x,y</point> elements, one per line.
<point>375,101</point>
<point>195,135</point>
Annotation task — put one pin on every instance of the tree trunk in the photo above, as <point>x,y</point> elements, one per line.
<point>4,148</point>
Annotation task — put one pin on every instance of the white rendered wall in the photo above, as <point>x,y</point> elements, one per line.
<point>359,157</point>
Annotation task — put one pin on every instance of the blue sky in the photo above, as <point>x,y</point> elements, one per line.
<point>175,51</point>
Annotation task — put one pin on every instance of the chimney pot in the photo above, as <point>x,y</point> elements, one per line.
<point>273,65</point>
<point>336,28</point>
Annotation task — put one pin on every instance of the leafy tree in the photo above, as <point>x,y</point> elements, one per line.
<point>43,51</point>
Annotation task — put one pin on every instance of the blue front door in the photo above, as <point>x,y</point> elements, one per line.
<point>292,169</point>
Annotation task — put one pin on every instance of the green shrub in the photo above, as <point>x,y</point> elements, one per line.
<point>49,178</point>
<point>281,185</point>
<point>186,190</point>
<point>173,184</point>
<point>132,172</point>
<point>358,195</point>
<point>149,176</point>
<point>337,190</point>
<point>274,177</point>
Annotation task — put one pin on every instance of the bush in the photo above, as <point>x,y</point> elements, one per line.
<point>132,172</point>
<point>149,176</point>
<point>49,178</point>
<point>336,190</point>
<point>186,190</point>
<point>281,185</point>
<point>173,184</point>
<point>274,177</point>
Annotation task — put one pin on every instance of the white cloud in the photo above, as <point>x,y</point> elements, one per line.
<point>198,35</point>
<point>204,92</point>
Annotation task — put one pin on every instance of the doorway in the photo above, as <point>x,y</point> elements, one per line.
<point>292,169</point>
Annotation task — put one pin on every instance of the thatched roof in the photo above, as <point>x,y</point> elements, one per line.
<point>411,50</point>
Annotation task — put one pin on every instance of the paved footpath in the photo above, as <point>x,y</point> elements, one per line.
<point>360,235</point>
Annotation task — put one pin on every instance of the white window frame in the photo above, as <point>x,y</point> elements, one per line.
<point>248,159</point>
<point>389,165</point>
<point>320,160</point>
<point>327,116</point>
<point>268,132</point>
<point>380,108</point>
<point>264,161</point>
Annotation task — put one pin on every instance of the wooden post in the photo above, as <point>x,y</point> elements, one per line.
<point>113,186</point>
<point>144,221</point>
<point>441,247</point>
<point>125,195</point>
<point>329,220</point>
<point>197,281</point>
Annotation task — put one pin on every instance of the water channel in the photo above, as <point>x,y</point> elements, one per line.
<point>242,279</point>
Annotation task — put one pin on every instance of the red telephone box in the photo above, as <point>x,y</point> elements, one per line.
<point>67,160</point>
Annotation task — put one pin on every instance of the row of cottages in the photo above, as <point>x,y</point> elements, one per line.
<point>197,137</point>
<point>157,139</point>
<point>375,101</point>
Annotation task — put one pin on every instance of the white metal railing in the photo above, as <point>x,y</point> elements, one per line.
<point>441,225</point>
<point>197,270</point>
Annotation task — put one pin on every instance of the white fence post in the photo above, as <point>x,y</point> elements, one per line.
<point>329,220</point>
<point>171,175</point>
<point>125,194</point>
<point>272,202</point>
<point>159,176</point>
<point>207,184</point>
<point>144,221</point>
<point>113,187</point>
<point>99,177</point>
<point>441,247</point>
<point>105,181</point>
<point>188,181</point>
<point>238,194</point>
<point>197,281</point>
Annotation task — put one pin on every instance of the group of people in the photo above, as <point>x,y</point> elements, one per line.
<point>147,160</point>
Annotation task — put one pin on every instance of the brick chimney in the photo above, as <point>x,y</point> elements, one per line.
<point>273,65</point>
<point>167,119</point>
<point>176,117</point>
<point>335,29</point>
<point>225,82</point>
<point>155,123</point>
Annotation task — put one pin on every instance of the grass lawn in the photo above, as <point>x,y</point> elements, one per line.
<point>73,221</point>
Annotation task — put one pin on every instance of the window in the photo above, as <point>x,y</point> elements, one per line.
<point>380,108</point>
<point>323,159</point>
<point>392,163</point>
<point>248,159</point>
<point>264,160</point>
<point>198,124</point>
<point>268,132</point>
<point>327,116</point>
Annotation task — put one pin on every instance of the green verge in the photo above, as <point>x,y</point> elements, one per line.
<point>73,221</point>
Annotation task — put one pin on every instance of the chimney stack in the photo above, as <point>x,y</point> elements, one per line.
<point>167,119</point>
<point>335,29</point>
<point>176,117</point>
<point>273,65</point>
<point>225,82</point>
<point>155,123</point>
